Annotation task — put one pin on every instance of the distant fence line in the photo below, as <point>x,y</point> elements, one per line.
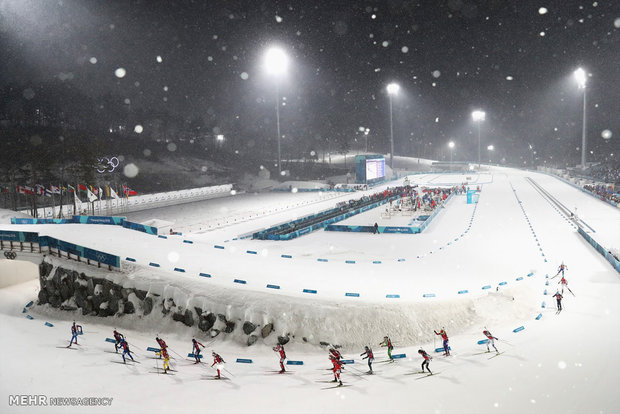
<point>137,203</point>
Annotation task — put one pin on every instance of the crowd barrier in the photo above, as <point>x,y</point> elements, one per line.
<point>14,240</point>
<point>606,254</point>
<point>139,202</point>
<point>105,220</point>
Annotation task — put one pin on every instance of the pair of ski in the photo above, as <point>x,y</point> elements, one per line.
<point>423,373</point>
<point>488,352</point>
<point>334,386</point>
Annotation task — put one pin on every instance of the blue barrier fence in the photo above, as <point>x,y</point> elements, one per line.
<point>606,254</point>
<point>71,248</point>
<point>107,220</point>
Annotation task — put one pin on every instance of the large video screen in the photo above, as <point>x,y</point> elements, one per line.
<point>375,168</point>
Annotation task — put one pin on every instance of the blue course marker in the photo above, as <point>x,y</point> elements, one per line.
<point>486,287</point>
<point>519,329</point>
<point>30,317</point>
<point>350,261</point>
<point>29,304</point>
<point>286,256</point>
<point>204,274</point>
<point>401,260</point>
<point>376,262</point>
<point>273,286</point>
<point>250,252</point>
<point>399,356</point>
<point>309,291</point>
<point>151,349</point>
<point>462,292</point>
<point>130,259</point>
<point>442,350</point>
<point>242,282</point>
<point>192,356</point>
<point>24,310</point>
<point>162,237</point>
<point>49,324</point>
<point>503,283</point>
<point>243,361</point>
<point>539,316</point>
<point>321,260</point>
<point>353,295</point>
<point>483,341</point>
<point>218,247</point>
<point>543,305</point>
<point>178,269</point>
<point>294,362</point>
<point>392,296</point>
<point>112,340</point>
<point>519,278</point>
<point>154,264</point>
<point>530,274</point>
<point>428,295</point>
<point>348,361</point>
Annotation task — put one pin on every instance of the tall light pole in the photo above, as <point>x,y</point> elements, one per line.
<point>276,63</point>
<point>580,76</point>
<point>478,117</point>
<point>366,132</point>
<point>490,148</point>
<point>451,145</point>
<point>392,89</point>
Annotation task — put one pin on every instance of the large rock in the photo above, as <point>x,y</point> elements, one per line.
<point>55,301</point>
<point>207,320</point>
<point>141,294</point>
<point>248,328</point>
<point>129,308</point>
<point>267,329</point>
<point>45,269</point>
<point>65,291</point>
<point>230,326</point>
<point>252,340</point>
<point>147,306</point>
<point>90,287</point>
<point>42,297</point>
<point>188,319</point>
<point>214,333</point>
<point>179,317</point>
<point>283,340</point>
<point>80,298</point>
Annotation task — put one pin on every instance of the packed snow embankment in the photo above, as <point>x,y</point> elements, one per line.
<point>207,311</point>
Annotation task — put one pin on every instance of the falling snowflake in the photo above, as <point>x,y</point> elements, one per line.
<point>93,60</point>
<point>120,73</point>
<point>159,59</point>
<point>542,10</point>
<point>138,129</point>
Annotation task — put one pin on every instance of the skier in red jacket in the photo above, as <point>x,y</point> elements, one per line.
<point>196,345</point>
<point>280,349</point>
<point>427,359</point>
<point>370,356</point>
<point>217,360</point>
<point>444,335</point>
<point>337,369</point>
<point>491,339</point>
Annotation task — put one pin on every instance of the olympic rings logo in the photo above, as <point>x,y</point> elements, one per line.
<point>106,165</point>
<point>10,255</point>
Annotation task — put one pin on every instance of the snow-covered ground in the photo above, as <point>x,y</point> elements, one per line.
<point>560,363</point>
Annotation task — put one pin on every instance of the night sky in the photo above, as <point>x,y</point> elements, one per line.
<point>513,59</point>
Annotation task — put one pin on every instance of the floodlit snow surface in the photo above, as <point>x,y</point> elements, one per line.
<point>564,363</point>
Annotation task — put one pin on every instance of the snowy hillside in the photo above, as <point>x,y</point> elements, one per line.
<point>509,241</point>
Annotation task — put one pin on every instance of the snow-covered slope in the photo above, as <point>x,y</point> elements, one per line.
<point>554,365</point>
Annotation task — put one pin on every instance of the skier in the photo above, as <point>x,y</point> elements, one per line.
<point>561,269</point>
<point>162,346</point>
<point>388,343</point>
<point>444,335</point>
<point>118,337</point>
<point>427,359</point>
<point>564,283</point>
<point>126,350</point>
<point>370,356</point>
<point>197,346</point>
<point>491,339</point>
<point>335,353</point>
<point>558,297</point>
<point>338,366</point>
<point>166,364</point>
<point>217,360</point>
<point>280,348</point>
<point>75,331</point>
